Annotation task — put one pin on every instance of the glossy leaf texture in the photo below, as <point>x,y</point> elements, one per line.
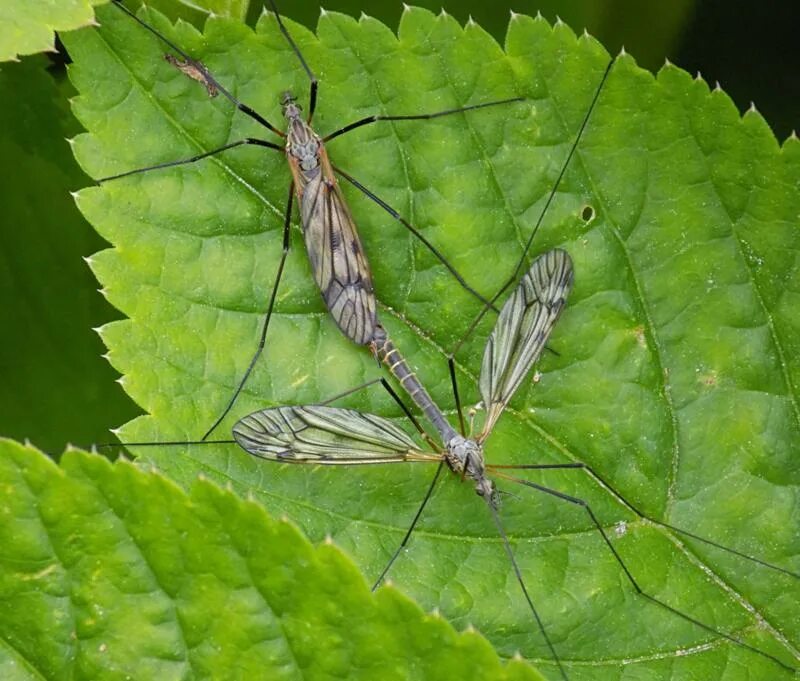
<point>675,373</point>
<point>114,571</point>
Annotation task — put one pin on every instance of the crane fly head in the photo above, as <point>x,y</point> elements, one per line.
<point>291,109</point>
<point>465,456</point>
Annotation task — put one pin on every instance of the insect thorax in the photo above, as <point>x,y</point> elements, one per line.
<point>465,456</point>
<point>302,143</point>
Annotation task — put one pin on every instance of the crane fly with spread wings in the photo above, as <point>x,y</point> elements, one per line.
<point>333,436</point>
<point>330,436</point>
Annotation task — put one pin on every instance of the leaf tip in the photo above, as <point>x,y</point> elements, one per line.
<point>328,541</point>
<point>514,15</point>
<point>622,52</point>
<point>558,23</point>
<point>517,656</point>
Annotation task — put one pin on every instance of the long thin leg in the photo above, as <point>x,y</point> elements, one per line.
<point>414,522</point>
<point>263,339</point>
<point>350,391</point>
<point>416,117</point>
<point>406,411</point>
<point>231,442</point>
<point>573,148</point>
<point>451,366</point>
<point>521,263</point>
<point>369,194</point>
<point>638,590</point>
<point>312,98</point>
<point>193,159</point>
<point>168,443</point>
<point>518,573</point>
<point>603,482</point>
<point>203,71</point>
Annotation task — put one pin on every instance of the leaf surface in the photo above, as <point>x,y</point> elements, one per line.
<point>114,572</point>
<point>676,373</point>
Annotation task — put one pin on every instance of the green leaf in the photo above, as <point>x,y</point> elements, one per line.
<point>676,373</point>
<point>111,571</point>
<point>48,296</point>
<point>197,11</point>
<point>27,27</point>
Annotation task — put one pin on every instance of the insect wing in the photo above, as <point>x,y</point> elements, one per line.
<point>323,435</point>
<point>522,329</point>
<point>337,257</point>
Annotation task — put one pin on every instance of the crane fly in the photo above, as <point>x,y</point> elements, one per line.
<point>333,245</point>
<point>331,436</point>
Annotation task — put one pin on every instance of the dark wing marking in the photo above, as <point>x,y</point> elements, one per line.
<point>324,435</point>
<point>337,258</point>
<point>522,329</point>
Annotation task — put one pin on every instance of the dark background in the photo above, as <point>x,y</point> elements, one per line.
<point>55,387</point>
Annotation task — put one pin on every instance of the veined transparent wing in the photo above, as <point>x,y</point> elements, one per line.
<point>336,254</point>
<point>522,329</point>
<point>324,435</point>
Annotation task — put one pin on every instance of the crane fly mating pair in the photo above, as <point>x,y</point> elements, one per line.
<point>328,435</point>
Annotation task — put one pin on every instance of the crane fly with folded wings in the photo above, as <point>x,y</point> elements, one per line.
<point>334,248</point>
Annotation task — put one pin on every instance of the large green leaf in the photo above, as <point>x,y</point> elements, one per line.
<point>677,368</point>
<point>112,572</point>
<point>27,27</point>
